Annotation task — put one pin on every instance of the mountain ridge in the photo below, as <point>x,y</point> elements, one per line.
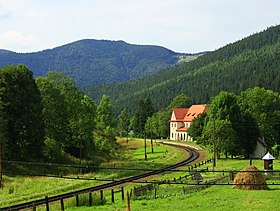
<point>251,61</point>
<point>91,61</point>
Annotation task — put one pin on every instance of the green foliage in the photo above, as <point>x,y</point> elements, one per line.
<point>91,62</point>
<point>180,101</point>
<point>105,114</point>
<point>123,123</point>
<point>250,62</point>
<point>234,123</point>
<point>82,126</point>
<point>56,117</point>
<point>196,128</point>
<point>157,126</point>
<point>143,110</point>
<point>264,106</point>
<point>69,118</point>
<point>227,124</point>
<point>23,129</point>
<point>105,133</point>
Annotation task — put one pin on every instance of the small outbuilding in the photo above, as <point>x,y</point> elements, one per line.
<point>260,149</point>
<point>268,162</point>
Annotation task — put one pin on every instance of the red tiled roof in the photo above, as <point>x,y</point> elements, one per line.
<point>180,113</point>
<point>194,111</point>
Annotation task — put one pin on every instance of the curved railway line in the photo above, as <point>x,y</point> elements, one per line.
<point>193,155</point>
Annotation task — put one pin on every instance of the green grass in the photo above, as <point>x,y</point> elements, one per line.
<point>20,189</point>
<point>169,196</point>
<point>213,198</point>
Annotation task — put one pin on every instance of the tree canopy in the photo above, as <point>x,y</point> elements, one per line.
<point>236,122</point>
<point>252,61</point>
<point>23,129</point>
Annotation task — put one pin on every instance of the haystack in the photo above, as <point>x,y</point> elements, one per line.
<point>250,178</point>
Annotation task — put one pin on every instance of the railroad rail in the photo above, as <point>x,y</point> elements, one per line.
<point>193,155</point>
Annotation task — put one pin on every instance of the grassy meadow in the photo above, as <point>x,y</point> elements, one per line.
<point>19,189</point>
<point>218,197</point>
<point>176,197</point>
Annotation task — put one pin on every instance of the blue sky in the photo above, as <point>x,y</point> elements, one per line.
<point>181,25</point>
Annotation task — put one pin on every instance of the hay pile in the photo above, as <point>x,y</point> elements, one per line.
<point>250,178</point>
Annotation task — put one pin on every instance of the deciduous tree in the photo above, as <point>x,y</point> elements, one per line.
<point>123,122</point>
<point>105,132</point>
<point>22,110</point>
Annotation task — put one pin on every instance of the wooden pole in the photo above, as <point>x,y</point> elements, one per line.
<point>47,203</point>
<point>101,195</point>
<point>62,204</point>
<point>127,202</point>
<point>145,144</point>
<point>122,190</point>
<point>250,159</point>
<point>90,199</point>
<point>77,201</point>
<point>152,145</point>
<point>113,198</point>
<point>1,168</point>
<point>214,145</point>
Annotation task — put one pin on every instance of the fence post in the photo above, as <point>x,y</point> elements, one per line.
<point>47,203</point>
<point>231,175</point>
<point>131,190</point>
<point>122,193</point>
<point>34,207</point>
<point>155,193</point>
<point>62,204</point>
<point>101,195</point>
<point>112,193</point>
<point>77,201</point>
<point>90,199</point>
<point>127,202</point>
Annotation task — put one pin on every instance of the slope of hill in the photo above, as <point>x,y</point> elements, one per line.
<point>2,51</point>
<point>252,61</point>
<point>91,62</point>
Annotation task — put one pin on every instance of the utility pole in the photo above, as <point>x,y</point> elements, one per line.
<point>152,145</point>
<point>81,146</point>
<point>145,144</point>
<point>214,145</point>
<point>1,168</point>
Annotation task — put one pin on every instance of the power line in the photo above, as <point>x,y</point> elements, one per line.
<point>159,182</point>
<point>84,166</point>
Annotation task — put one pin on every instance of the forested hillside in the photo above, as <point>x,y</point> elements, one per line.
<point>91,62</point>
<point>252,61</point>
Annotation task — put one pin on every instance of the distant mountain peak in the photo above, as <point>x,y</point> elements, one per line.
<point>3,51</point>
<point>90,61</point>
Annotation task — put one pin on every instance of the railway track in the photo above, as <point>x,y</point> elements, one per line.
<point>193,155</point>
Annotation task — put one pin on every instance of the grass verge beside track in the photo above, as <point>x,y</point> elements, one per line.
<point>19,189</point>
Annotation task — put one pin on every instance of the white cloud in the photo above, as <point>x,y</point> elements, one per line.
<point>13,40</point>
